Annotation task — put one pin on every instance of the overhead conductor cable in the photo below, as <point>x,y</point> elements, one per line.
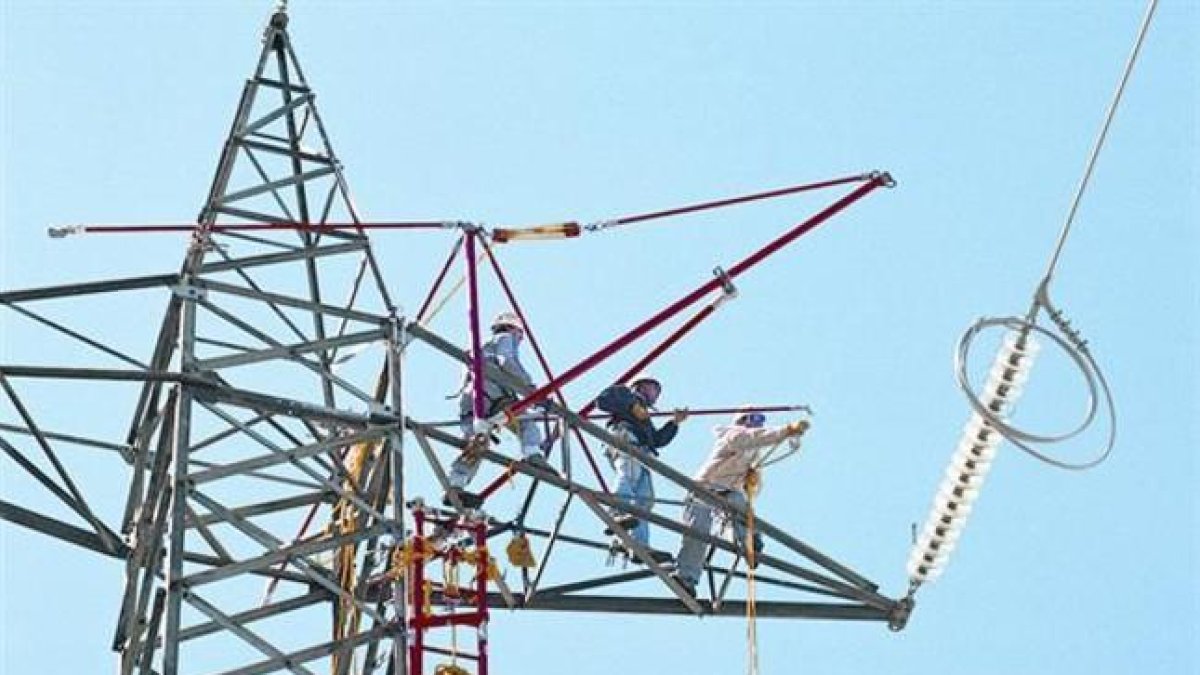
<point>988,425</point>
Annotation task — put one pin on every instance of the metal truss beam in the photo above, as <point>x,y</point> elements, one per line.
<point>57,529</point>
<point>767,609</point>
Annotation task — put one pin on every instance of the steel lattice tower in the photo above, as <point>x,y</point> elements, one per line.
<point>243,427</point>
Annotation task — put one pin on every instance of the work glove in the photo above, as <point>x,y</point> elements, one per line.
<point>797,428</point>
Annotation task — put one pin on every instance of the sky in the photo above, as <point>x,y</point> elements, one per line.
<point>524,112</point>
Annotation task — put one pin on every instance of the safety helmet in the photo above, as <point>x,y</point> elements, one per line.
<point>643,380</point>
<point>507,320</point>
<point>747,416</point>
<point>646,378</point>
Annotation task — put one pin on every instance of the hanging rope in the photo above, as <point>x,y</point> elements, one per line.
<point>752,485</point>
<point>449,295</point>
<point>344,521</point>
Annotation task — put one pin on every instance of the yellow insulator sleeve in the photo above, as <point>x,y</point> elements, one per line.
<point>503,235</point>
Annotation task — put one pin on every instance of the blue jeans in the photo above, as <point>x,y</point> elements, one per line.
<point>635,487</point>
<point>697,514</point>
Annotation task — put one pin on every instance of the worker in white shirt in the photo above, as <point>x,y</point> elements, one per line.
<point>724,472</point>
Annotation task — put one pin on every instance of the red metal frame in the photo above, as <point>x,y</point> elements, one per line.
<point>636,368</point>
<point>422,618</point>
<point>545,364</point>
<point>733,201</point>
<point>477,398</point>
<point>437,282</point>
<point>872,182</point>
<point>250,227</point>
<point>728,411</point>
<point>658,351</point>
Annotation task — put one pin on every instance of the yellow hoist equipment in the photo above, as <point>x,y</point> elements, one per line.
<point>344,520</point>
<point>519,554</point>
<point>410,554</point>
<point>476,556</point>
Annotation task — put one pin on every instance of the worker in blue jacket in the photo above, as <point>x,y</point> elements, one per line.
<point>631,422</point>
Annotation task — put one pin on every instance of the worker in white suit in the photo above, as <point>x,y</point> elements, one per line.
<point>724,472</point>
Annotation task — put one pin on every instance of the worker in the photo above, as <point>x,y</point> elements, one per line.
<point>724,472</point>
<point>502,351</point>
<point>630,409</point>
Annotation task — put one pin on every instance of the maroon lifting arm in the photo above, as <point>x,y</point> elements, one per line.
<point>873,181</point>
<point>658,351</point>
<point>477,406</point>
<point>58,232</point>
<point>437,282</point>
<point>545,363</point>
<point>572,229</point>
<point>732,201</point>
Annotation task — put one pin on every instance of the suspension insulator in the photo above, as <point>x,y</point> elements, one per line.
<point>972,460</point>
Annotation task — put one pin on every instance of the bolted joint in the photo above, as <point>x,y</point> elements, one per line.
<point>883,178</point>
<point>467,227</point>
<point>899,614</point>
<point>189,292</point>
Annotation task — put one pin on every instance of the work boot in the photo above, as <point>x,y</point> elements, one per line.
<point>539,460</point>
<point>659,557</point>
<point>688,585</point>
<point>469,500</point>
<point>625,521</point>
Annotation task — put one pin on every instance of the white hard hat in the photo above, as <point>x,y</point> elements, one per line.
<point>645,378</point>
<point>745,413</point>
<point>507,320</point>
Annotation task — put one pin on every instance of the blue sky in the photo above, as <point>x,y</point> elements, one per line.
<point>114,112</point>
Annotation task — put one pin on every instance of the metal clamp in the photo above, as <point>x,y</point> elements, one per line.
<point>467,226</point>
<point>900,612</point>
<point>598,225</point>
<point>61,232</point>
<point>883,178</point>
<point>727,286</point>
<point>189,292</point>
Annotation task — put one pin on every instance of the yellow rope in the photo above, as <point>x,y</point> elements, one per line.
<point>476,557</point>
<point>752,485</point>
<point>510,473</point>
<point>344,520</point>
<point>408,555</point>
<point>450,587</point>
<point>450,293</point>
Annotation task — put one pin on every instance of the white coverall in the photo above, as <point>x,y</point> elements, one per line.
<point>502,351</point>
<point>724,472</point>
